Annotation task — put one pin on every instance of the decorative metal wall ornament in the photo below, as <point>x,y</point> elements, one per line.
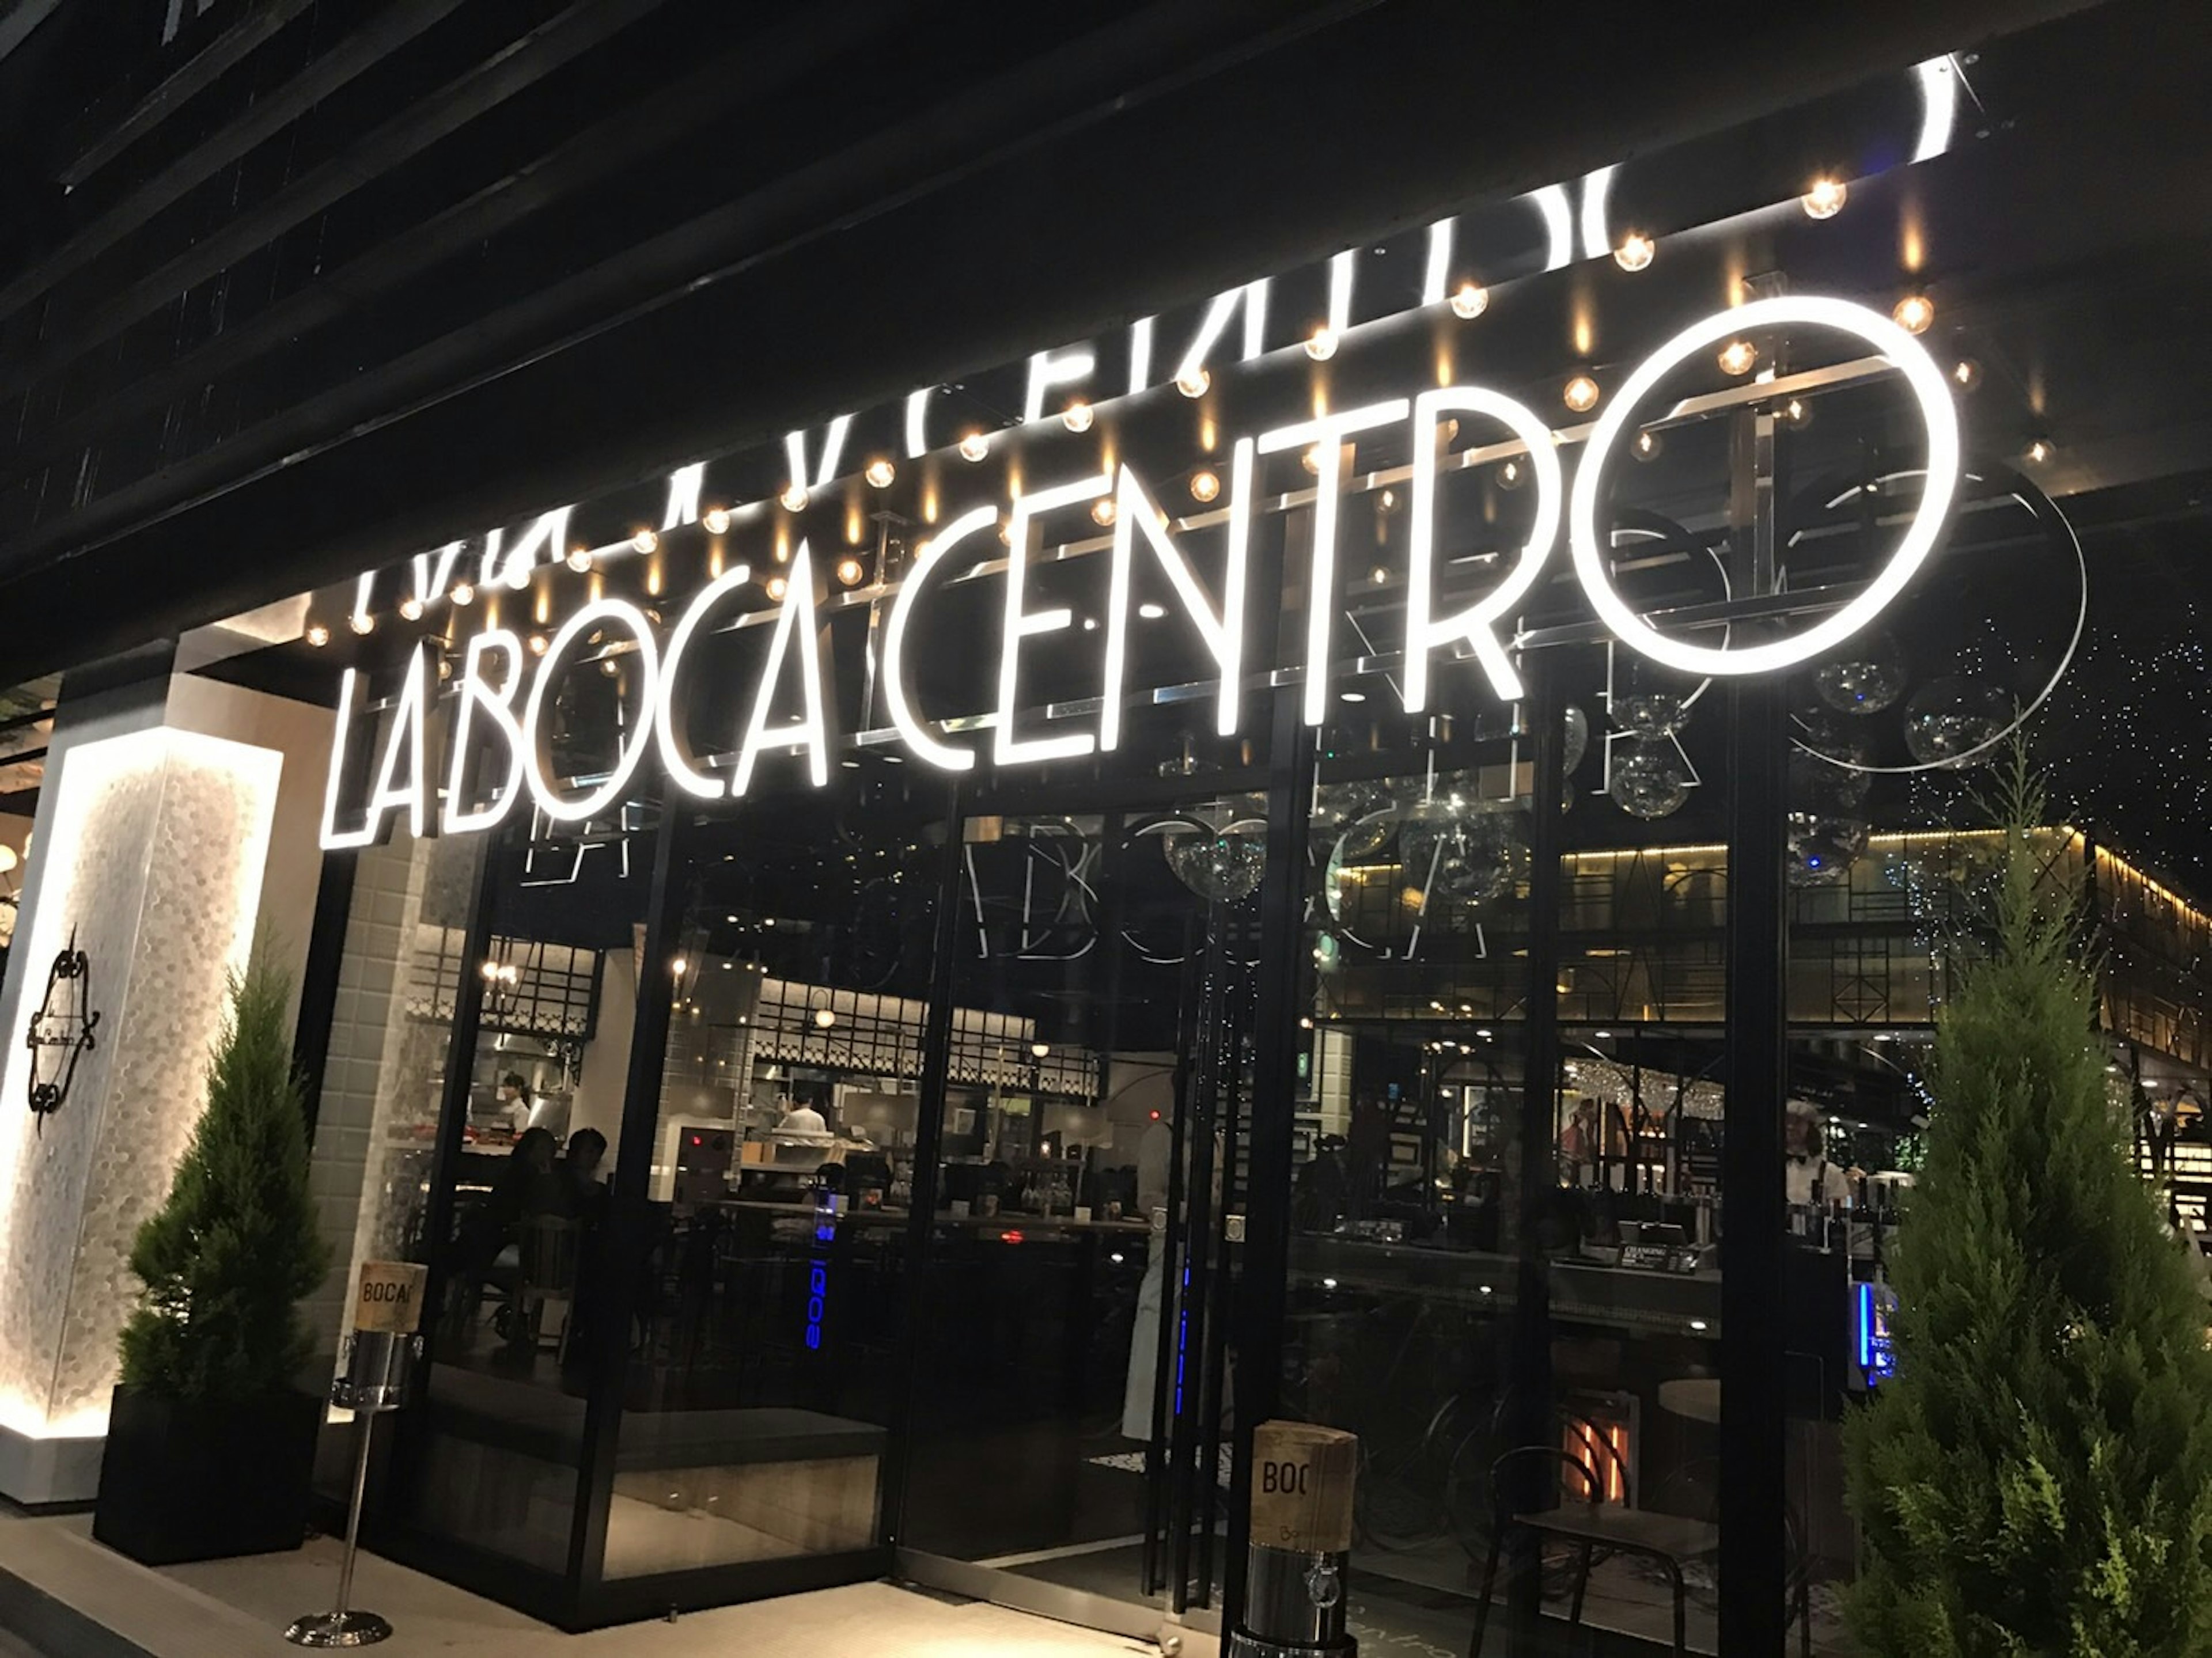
<point>61,1031</point>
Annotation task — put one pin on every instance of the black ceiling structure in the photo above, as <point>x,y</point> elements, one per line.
<point>316,282</point>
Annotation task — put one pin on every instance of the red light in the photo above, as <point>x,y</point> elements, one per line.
<point>1156,1116</point>
<point>696,1141</point>
<point>1010,1237</point>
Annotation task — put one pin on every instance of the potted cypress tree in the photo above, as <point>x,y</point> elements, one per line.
<point>2037,1477</point>
<point>210,1445</point>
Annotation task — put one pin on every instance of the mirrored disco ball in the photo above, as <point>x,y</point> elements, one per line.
<point>1951,717</point>
<point>1454,852</point>
<point>1362,814</point>
<point>1817,786</point>
<point>1822,849</point>
<point>1220,866</point>
<point>1650,715</point>
<point>1648,780</point>
<point>1865,676</point>
<point>1575,738</point>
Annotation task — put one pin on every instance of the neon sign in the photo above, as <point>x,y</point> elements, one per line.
<point>493,672</point>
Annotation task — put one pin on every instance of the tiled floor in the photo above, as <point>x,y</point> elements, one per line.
<point>238,1609</point>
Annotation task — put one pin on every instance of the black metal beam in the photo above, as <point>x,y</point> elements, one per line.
<point>942,259</point>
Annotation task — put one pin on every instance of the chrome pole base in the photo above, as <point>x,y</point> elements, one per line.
<point>338,1629</point>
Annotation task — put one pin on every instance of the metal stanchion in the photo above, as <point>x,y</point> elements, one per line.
<point>379,1371</point>
<point>1294,1570</point>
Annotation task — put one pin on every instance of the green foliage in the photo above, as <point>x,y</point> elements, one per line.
<point>2037,1479</point>
<point>227,1257</point>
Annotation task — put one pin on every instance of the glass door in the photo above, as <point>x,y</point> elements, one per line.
<point>1070,1442</point>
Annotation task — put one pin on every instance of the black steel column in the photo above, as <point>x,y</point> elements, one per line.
<point>1754,1559</point>
<point>628,1238</point>
<point>1529,1413</point>
<point>1284,963</point>
<point>928,1154</point>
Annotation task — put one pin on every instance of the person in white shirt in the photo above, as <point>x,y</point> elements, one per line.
<point>514,1102</point>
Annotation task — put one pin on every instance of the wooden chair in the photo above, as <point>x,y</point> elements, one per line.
<point>551,1248</point>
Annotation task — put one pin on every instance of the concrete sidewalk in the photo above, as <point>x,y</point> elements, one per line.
<point>62,1594</point>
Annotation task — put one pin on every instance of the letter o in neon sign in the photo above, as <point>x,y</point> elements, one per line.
<point>1921,374</point>
<point>570,809</point>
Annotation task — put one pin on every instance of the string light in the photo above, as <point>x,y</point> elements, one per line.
<point>777,587</point>
<point>318,635</point>
<point>463,593</point>
<point>1102,510</point>
<point>1511,475</point>
<point>1469,301</point>
<point>1581,394</point>
<point>1825,199</point>
<point>975,446</point>
<point>1738,357</point>
<point>537,644</point>
<point>2040,449</point>
<point>1193,382</point>
<point>1204,486</point>
<point>644,541</point>
<point>361,621</point>
<point>717,518</point>
<point>411,608</point>
<point>850,570</point>
<point>1321,345</point>
<point>1647,446</point>
<point>1913,313</point>
<point>579,559</point>
<point>1636,251</point>
<point>880,473</point>
<point>1076,416</point>
<point>1965,373</point>
<point>793,498</point>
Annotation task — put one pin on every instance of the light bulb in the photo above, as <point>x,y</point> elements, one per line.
<point>579,559</point>
<point>1204,486</point>
<point>1510,476</point>
<point>1635,251</point>
<point>1193,382</point>
<point>1102,510</point>
<point>537,644</point>
<point>1310,459</point>
<point>1797,412</point>
<point>1076,416</point>
<point>1913,313</point>
<point>1647,446</point>
<point>411,608</point>
<point>880,473</point>
<point>679,967</point>
<point>1965,373</point>
<point>2040,449</point>
<point>793,498</point>
<point>1321,345</point>
<point>1379,574</point>
<point>610,667</point>
<point>1738,357</point>
<point>1581,394</point>
<point>463,594</point>
<point>518,574</point>
<point>644,541</point>
<point>716,518</point>
<point>1825,199</point>
<point>318,635</point>
<point>975,446</point>
<point>825,1018</point>
<point>1469,301</point>
<point>777,587</point>
<point>361,621</point>
<point>850,570</point>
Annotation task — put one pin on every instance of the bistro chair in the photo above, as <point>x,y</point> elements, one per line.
<point>1586,1525</point>
<point>551,1249</point>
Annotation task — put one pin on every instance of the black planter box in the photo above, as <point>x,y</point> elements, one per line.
<point>186,1481</point>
